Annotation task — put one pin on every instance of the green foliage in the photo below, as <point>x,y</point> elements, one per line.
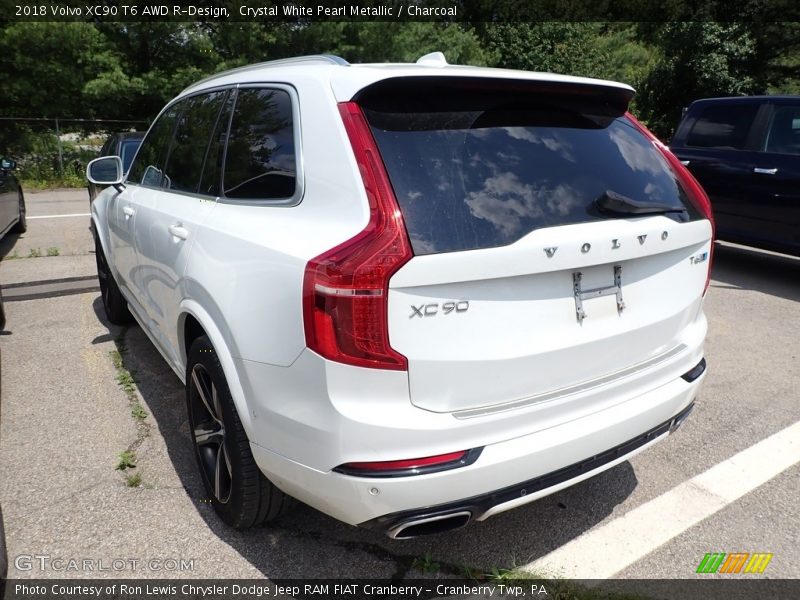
<point>697,60</point>
<point>426,564</point>
<point>127,460</point>
<point>46,66</point>
<point>137,411</point>
<point>133,479</point>
<point>53,251</point>
<point>556,47</point>
<point>128,71</point>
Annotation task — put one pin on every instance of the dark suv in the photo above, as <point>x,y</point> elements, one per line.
<point>746,154</point>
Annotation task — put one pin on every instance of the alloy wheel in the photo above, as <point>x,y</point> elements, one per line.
<point>208,429</point>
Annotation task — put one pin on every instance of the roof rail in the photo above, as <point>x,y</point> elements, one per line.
<point>325,59</point>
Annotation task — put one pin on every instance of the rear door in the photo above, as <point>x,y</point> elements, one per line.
<point>775,198</point>
<point>523,287</point>
<point>167,221</point>
<point>719,142</point>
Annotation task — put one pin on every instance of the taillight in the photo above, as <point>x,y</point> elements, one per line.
<point>411,466</point>
<point>697,195</point>
<point>345,290</point>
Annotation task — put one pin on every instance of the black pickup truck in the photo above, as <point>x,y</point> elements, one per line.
<point>745,152</point>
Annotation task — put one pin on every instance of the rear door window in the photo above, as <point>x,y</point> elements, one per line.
<point>725,126</point>
<point>485,178</point>
<point>260,159</point>
<point>192,135</point>
<point>148,166</point>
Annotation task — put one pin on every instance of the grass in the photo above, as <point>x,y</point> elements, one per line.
<point>67,181</point>
<point>126,380</point>
<point>133,479</point>
<point>137,411</point>
<point>426,564</point>
<point>34,253</point>
<point>127,460</point>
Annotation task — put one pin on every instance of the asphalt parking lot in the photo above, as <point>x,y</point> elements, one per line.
<point>65,419</point>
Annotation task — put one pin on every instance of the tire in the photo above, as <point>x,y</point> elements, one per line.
<point>114,304</point>
<point>21,225</point>
<point>239,492</point>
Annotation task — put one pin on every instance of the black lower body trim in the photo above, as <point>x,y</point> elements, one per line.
<point>478,505</point>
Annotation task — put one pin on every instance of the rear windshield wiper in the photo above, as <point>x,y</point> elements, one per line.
<point>612,202</point>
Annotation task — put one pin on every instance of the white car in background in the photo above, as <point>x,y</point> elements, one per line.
<point>409,295</point>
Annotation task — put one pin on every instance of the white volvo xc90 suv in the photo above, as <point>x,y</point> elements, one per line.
<point>409,295</point>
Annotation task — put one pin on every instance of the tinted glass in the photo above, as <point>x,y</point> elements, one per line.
<point>723,126</point>
<point>260,158</point>
<point>481,179</point>
<point>212,163</point>
<point>192,136</point>
<point>127,151</point>
<point>784,131</point>
<point>148,167</point>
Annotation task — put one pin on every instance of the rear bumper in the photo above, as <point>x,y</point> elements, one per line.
<point>400,524</point>
<point>507,474</point>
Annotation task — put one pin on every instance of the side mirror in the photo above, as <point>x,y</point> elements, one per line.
<point>7,164</point>
<point>106,170</point>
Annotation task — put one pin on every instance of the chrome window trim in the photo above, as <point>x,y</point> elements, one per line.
<point>299,190</point>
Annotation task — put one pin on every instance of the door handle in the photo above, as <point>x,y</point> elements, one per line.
<point>765,171</point>
<point>128,212</point>
<point>178,231</point>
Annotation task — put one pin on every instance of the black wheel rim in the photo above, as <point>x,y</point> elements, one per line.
<point>208,430</point>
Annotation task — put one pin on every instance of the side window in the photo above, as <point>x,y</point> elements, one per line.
<point>784,131</point>
<point>260,157</point>
<point>148,166</point>
<point>723,126</point>
<point>192,135</point>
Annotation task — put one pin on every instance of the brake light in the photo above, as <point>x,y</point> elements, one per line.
<point>345,290</point>
<point>695,192</point>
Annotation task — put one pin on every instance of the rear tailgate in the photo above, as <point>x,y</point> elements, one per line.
<point>489,327</point>
<point>524,287</point>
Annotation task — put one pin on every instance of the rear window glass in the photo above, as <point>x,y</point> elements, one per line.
<point>485,178</point>
<point>723,126</point>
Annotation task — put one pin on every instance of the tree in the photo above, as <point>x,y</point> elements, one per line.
<point>557,47</point>
<point>696,59</point>
<point>59,58</point>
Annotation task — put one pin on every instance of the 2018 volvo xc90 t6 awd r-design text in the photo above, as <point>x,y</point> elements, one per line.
<point>408,295</point>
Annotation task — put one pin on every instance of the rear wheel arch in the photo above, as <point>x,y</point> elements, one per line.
<point>194,322</point>
<point>239,492</point>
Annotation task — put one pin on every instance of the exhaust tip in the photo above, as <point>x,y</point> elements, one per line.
<point>430,525</point>
<point>678,420</point>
